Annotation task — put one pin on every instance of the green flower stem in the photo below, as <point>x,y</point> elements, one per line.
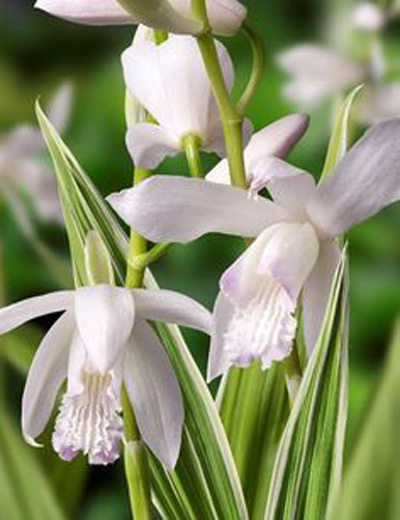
<point>136,463</point>
<point>192,146</point>
<point>258,65</point>
<point>140,262</point>
<point>232,120</point>
<point>293,374</point>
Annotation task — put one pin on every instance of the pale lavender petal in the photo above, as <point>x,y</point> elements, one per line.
<point>171,307</point>
<point>149,145</point>
<point>104,317</point>
<point>154,393</point>
<point>317,290</point>
<point>19,313</point>
<point>47,372</point>
<point>365,181</point>
<point>87,12</point>
<point>173,209</point>
<point>218,361</point>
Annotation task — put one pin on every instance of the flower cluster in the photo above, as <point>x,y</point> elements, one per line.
<point>104,340</point>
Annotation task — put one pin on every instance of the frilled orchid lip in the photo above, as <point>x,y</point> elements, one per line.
<point>102,339</point>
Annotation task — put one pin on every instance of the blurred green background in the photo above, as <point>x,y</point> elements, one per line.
<point>38,53</point>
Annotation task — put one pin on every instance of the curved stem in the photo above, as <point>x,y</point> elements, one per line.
<point>258,65</point>
<point>232,120</point>
<point>192,146</point>
<point>142,261</point>
<point>136,463</point>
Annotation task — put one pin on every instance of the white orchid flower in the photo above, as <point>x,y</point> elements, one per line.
<point>102,340</point>
<point>275,140</point>
<point>20,168</point>
<point>226,16</point>
<point>295,253</point>
<point>369,17</point>
<point>171,83</point>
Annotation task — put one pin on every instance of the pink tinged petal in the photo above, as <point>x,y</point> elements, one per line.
<point>105,317</point>
<point>59,109</point>
<point>381,102</point>
<point>87,12</point>
<point>263,288</point>
<point>149,145</point>
<point>369,17</point>
<point>155,394</point>
<point>24,141</point>
<point>90,422</point>
<point>276,139</point>
<point>173,209</point>
<point>171,82</point>
<point>290,187</point>
<point>365,181</point>
<point>218,361</point>
<point>241,280</point>
<point>317,290</point>
<point>318,72</point>
<point>171,307</point>
<point>19,313</point>
<point>226,16</point>
<point>290,256</point>
<point>47,372</point>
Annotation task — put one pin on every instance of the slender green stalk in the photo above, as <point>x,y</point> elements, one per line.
<point>232,120</point>
<point>257,69</point>
<point>136,463</point>
<point>293,374</point>
<point>142,261</point>
<point>192,146</point>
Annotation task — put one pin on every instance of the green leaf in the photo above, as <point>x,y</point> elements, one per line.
<point>25,490</point>
<point>308,466</point>
<point>205,483</point>
<point>254,408</point>
<point>372,480</point>
<point>339,142</point>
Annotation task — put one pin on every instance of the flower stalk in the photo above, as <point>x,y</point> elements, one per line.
<point>192,146</point>
<point>232,120</point>
<point>257,69</point>
<point>135,456</point>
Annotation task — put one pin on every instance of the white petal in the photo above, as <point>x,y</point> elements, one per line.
<point>105,317</point>
<point>171,307</point>
<point>276,139</point>
<point>381,102</point>
<point>317,290</point>
<point>24,142</point>
<point>226,16</point>
<point>218,361</point>
<point>365,181</point>
<point>171,82</point>
<point>290,256</point>
<point>47,372</point>
<point>369,17</point>
<point>154,393</point>
<point>149,145</point>
<point>290,187</point>
<point>19,313</point>
<point>88,12</point>
<point>172,209</point>
<point>318,71</point>
<point>59,109</point>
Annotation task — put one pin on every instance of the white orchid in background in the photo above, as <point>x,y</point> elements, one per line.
<point>226,16</point>
<point>318,72</point>
<point>295,253</point>
<point>171,83</point>
<point>275,140</point>
<point>102,340</point>
<point>22,171</point>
